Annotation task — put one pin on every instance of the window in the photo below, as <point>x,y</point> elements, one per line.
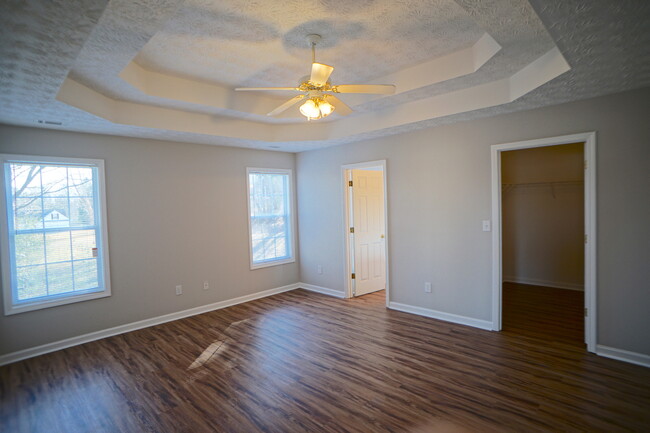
<point>270,217</point>
<point>53,239</point>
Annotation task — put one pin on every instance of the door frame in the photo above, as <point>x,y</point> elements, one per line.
<point>589,138</point>
<point>346,197</point>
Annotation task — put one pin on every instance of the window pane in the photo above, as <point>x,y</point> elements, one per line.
<point>263,227</point>
<point>29,249</point>
<point>85,275</point>
<point>28,213</point>
<point>277,202</point>
<point>26,180</point>
<point>266,249</point>
<point>59,278</point>
<point>269,248</point>
<point>281,247</point>
<point>55,181</point>
<point>80,181</point>
<point>83,243</point>
<point>55,212</point>
<point>31,282</point>
<point>58,247</point>
<point>258,250</point>
<point>81,212</point>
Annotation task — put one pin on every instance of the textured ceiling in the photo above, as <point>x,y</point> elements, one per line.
<point>233,43</point>
<point>241,43</point>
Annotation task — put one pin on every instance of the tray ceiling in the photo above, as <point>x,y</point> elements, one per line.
<point>167,68</point>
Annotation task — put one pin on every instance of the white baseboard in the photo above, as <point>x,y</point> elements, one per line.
<point>121,329</point>
<point>323,290</point>
<point>623,355</point>
<point>447,317</point>
<point>608,352</point>
<point>545,283</point>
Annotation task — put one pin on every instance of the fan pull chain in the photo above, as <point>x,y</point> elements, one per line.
<point>313,52</point>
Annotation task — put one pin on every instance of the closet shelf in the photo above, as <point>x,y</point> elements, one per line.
<point>505,187</point>
<point>568,182</point>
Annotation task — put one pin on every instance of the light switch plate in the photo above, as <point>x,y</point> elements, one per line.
<point>487,226</point>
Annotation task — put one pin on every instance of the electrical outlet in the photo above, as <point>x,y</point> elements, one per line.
<point>427,287</point>
<point>179,290</point>
<point>206,285</point>
<point>320,269</point>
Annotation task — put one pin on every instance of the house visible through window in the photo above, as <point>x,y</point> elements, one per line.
<point>53,232</point>
<point>270,217</point>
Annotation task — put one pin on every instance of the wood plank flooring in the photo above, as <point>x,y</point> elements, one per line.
<point>544,312</point>
<point>305,362</point>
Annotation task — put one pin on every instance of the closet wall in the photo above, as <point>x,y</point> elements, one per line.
<point>543,216</point>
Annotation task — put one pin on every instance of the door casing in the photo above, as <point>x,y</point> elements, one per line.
<point>346,197</point>
<point>589,138</point>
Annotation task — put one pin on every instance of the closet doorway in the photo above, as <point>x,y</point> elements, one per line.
<point>544,238</point>
<point>366,229</point>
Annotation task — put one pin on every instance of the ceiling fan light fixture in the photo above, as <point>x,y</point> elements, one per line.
<point>316,108</point>
<point>325,108</point>
<point>316,88</point>
<point>310,109</point>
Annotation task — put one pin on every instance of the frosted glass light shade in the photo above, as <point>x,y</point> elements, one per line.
<point>325,108</point>
<point>310,109</point>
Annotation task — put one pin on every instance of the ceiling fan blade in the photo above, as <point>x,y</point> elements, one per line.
<point>340,106</point>
<point>320,73</point>
<point>286,105</point>
<point>252,89</point>
<point>379,89</point>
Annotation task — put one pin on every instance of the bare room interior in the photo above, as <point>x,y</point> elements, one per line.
<point>325,216</point>
<point>543,220</point>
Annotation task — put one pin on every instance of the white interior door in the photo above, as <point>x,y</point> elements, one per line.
<point>368,237</point>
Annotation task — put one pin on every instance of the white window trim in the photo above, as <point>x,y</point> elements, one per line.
<point>9,308</point>
<point>292,223</point>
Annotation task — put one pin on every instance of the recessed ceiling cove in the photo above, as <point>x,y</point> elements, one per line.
<point>243,43</point>
<point>168,68</point>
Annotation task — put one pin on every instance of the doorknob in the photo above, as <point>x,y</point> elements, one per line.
<point>382,236</point>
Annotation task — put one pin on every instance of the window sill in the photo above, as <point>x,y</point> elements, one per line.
<point>16,309</point>
<point>272,263</point>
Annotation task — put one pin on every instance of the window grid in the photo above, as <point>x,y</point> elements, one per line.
<point>47,265</point>
<point>270,217</point>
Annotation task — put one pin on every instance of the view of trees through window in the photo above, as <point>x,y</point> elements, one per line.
<point>53,223</point>
<point>270,216</point>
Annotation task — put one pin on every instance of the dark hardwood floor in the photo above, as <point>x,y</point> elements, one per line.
<point>304,362</point>
<point>544,313</point>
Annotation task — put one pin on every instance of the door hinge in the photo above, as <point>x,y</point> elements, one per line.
<point>585,164</point>
<point>349,183</point>
<point>585,238</point>
<point>586,312</point>
<point>351,229</point>
<point>353,276</point>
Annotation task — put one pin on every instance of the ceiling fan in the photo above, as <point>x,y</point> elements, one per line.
<point>317,91</point>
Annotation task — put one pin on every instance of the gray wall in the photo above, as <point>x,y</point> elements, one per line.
<point>439,191</point>
<point>176,215</point>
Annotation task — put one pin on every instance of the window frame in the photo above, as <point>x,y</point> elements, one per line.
<point>5,242</point>
<point>292,224</point>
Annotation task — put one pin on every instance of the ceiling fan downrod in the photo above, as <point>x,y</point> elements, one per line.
<point>313,39</point>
